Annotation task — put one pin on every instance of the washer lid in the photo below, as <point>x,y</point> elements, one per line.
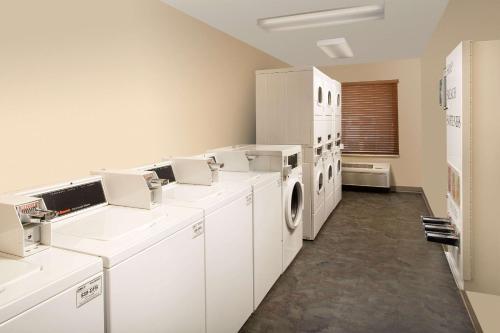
<point>15,270</point>
<point>206,197</point>
<point>110,223</point>
<point>253,178</point>
<point>117,233</point>
<point>26,282</point>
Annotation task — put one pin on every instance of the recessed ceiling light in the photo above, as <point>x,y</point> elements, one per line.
<point>336,48</point>
<point>323,18</point>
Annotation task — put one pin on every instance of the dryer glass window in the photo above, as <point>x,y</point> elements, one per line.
<point>330,172</point>
<point>338,166</point>
<point>320,181</point>
<point>296,201</point>
<point>320,95</point>
<point>329,98</point>
<point>338,99</point>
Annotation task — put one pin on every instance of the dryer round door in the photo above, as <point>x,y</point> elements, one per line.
<point>319,95</point>
<point>330,172</point>
<point>320,182</point>
<point>294,203</point>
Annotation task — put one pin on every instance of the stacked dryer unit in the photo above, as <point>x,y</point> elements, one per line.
<point>302,106</point>
<point>337,143</point>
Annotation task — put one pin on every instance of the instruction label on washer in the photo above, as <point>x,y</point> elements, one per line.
<point>197,229</point>
<point>88,291</point>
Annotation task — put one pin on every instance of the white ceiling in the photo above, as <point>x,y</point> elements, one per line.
<point>404,32</point>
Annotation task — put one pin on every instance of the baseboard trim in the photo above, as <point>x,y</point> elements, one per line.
<point>470,311</point>
<point>426,201</point>
<point>407,189</point>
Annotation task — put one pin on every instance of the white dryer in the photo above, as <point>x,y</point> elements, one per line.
<point>315,181</point>
<point>286,159</point>
<point>337,118</point>
<point>228,239</point>
<point>329,171</point>
<point>153,258</point>
<point>53,291</point>
<point>337,160</point>
<point>267,220</point>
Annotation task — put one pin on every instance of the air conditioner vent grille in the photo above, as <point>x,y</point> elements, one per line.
<point>366,174</point>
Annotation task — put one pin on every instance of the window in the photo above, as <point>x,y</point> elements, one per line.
<point>370,117</point>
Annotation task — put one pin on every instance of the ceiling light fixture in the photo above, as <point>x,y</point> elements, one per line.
<point>336,48</point>
<point>323,18</point>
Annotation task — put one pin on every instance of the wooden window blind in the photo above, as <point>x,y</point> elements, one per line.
<point>370,117</point>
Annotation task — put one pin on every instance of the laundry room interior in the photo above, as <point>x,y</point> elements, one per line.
<point>249,166</point>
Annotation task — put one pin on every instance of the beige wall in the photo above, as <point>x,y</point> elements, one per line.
<point>117,83</point>
<point>485,226</point>
<point>462,20</point>
<point>406,169</point>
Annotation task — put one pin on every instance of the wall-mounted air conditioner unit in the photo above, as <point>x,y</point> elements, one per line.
<point>366,174</point>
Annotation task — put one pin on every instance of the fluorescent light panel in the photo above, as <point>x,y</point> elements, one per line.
<point>336,48</point>
<point>323,18</point>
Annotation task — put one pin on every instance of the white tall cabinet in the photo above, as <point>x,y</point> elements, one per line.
<point>303,106</point>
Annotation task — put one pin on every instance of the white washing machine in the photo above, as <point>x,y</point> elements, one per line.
<point>286,159</point>
<point>314,183</point>
<point>153,258</point>
<point>267,220</point>
<point>38,282</point>
<point>228,240</point>
<point>54,291</point>
<point>328,162</point>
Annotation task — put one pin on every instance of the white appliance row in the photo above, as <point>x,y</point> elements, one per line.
<point>150,256</point>
<point>303,106</point>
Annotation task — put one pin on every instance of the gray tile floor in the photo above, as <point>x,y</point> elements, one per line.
<point>369,270</point>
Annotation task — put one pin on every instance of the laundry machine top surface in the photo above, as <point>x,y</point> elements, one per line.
<point>114,233</point>
<point>206,197</point>
<point>283,150</point>
<point>253,178</point>
<point>259,149</point>
<point>26,282</point>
